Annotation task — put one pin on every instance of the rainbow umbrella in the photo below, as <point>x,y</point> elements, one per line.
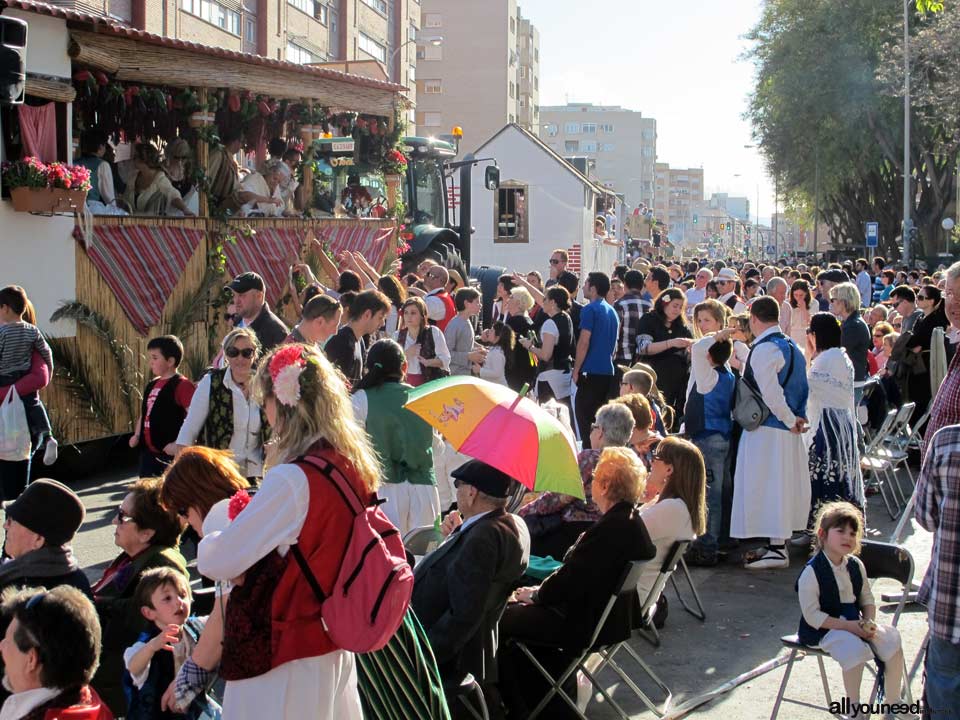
<point>494,424</point>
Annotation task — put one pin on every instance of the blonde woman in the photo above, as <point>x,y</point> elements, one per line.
<point>523,369</point>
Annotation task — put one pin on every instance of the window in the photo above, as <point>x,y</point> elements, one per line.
<point>513,89</point>
<point>429,52</point>
<point>649,134</point>
<point>536,54</point>
<point>379,5</point>
<point>551,129</point>
<point>523,72</point>
<point>606,128</point>
<point>432,119</point>
<point>372,48</point>
<point>250,30</point>
<point>510,214</point>
<point>433,87</point>
<point>412,73</point>
<point>298,54</point>
<point>523,101</point>
<point>648,152</point>
<point>590,147</point>
<point>571,146</point>
<point>214,13</point>
<point>571,129</point>
<point>607,147</point>
<point>513,25</point>
<point>536,83</point>
<point>511,118</point>
<point>432,20</point>
<point>589,129</point>
<point>321,13</point>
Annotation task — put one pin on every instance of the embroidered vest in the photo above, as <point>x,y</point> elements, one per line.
<point>792,377</point>
<point>218,428</point>
<point>829,595</point>
<point>709,414</point>
<point>428,351</point>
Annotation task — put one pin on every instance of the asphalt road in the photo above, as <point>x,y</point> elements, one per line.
<point>747,613</point>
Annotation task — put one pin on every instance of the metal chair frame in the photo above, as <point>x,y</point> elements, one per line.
<point>699,613</point>
<point>874,462</point>
<point>417,540</point>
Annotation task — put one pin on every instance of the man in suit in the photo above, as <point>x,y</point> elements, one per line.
<point>460,588</point>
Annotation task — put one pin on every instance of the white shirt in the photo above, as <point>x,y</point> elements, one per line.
<point>21,703</point>
<point>439,345</point>
<point>694,296</point>
<point>865,286</point>
<point>702,373</point>
<point>245,442</point>
<point>105,183</point>
<point>767,361</point>
<point>272,520</point>
<point>667,521</point>
<point>494,366</point>
<point>436,310</point>
<point>808,590</point>
<point>558,380</point>
<point>739,308</point>
<point>255,182</point>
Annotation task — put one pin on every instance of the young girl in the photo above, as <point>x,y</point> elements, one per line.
<point>501,341</point>
<point>838,609</point>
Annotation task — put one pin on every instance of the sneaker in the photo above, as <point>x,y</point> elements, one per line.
<point>774,557</point>
<point>50,454</point>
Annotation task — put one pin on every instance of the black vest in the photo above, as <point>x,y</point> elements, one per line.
<point>829,595</point>
<point>166,416</point>
<point>563,350</point>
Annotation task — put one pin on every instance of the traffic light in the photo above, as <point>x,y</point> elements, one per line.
<point>723,226</point>
<point>695,219</point>
<point>912,234</point>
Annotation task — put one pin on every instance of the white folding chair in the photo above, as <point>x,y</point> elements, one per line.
<point>875,463</point>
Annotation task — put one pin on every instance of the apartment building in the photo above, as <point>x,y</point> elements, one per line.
<point>678,194</point>
<point>739,207</point>
<point>301,31</point>
<point>622,143</point>
<point>478,78</point>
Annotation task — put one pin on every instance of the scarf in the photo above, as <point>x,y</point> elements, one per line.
<point>45,562</point>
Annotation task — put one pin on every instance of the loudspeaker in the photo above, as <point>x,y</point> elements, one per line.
<point>13,60</point>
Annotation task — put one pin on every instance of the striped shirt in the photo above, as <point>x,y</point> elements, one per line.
<point>18,340</point>
<point>938,510</point>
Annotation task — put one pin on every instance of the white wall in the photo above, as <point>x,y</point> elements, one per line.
<point>559,214</point>
<point>37,252</point>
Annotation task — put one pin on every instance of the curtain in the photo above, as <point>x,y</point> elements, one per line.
<point>38,126</point>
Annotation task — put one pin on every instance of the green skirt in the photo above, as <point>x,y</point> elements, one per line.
<point>401,681</point>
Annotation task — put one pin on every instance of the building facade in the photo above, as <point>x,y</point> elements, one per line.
<point>486,71</point>
<point>739,207</point>
<point>302,31</point>
<point>622,142</point>
<point>678,195</point>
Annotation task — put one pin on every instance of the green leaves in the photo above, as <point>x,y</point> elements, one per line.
<point>933,6</point>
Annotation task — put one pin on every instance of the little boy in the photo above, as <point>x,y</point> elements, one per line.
<point>165,402</point>
<point>18,341</point>
<point>153,662</point>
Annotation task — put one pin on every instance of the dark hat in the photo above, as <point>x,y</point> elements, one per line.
<point>485,478</point>
<point>50,509</point>
<point>246,281</point>
<point>835,276</point>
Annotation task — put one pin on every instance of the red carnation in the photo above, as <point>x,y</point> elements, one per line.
<point>238,502</point>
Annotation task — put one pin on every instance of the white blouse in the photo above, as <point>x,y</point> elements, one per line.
<point>808,590</point>
<point>439,345</point>
<point>245,443</point>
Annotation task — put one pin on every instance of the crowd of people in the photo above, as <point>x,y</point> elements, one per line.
<point>676,383</point>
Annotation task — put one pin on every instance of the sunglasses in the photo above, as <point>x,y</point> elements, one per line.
<point>182,512</point>
<point>122,517</point>
<point>234,352</point>
<point>922,297</point>
<point>554,261</point>
<point>657,456</point>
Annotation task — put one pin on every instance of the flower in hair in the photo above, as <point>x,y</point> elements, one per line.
<point>286,366</point>
<point>238,502</point>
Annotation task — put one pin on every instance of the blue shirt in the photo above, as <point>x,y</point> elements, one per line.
<point>603,323</point>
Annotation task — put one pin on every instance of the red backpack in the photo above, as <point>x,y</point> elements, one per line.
<point>374,585</point>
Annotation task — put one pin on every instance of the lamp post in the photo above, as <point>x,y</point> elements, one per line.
<point>436,41</point>
<point>907,202</point>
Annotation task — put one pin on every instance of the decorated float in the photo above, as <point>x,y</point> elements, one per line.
<point>104,284</point>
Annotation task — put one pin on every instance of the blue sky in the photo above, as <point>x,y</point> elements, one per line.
<point>673,60</point>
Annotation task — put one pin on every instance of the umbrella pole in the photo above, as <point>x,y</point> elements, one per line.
<point>521,395</point>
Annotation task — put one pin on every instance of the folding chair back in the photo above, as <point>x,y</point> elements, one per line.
<point>886,560</point>
<point>420,541</point>
<point>626,586</point>
<point>666,570</point>
<point>881,434</point>
<point>900,432</point>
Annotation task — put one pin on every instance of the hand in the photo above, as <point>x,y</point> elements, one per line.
<point>450,523</point>
<point>476,367</point>
<point>523,595</point>
<point>166,639</point>
<point>169,699</point>
<point>575,376</point>
<point>683,343</point>
<point>477,356</point>
<point>429,362</point>
<point>172,449</point>
<point>134,440</point>
<point>800,426</point>
<point>276,201</point>
<point>526,343</point>
<point>413,352</point>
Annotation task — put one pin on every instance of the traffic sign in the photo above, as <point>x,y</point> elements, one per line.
<point>873,234</point>
<point>771,249</point>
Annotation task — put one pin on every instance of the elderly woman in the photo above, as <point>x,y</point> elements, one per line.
<point>856,340</point>
<point>567,606</point>
<point>832,438</point>
<point>523,370</point>
<point>880,351</point>
<point>663,336</point>
<point>556,521</point>
<point>268,197</point>
<point>147,535</point>
<point>644,435</point>
<point>222,413</point>
<point>149,190</point>
<point>50,650</point>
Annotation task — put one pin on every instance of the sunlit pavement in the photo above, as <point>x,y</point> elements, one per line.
<point>747,612</point>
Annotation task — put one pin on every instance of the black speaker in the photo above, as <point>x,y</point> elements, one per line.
<point>13,60</point>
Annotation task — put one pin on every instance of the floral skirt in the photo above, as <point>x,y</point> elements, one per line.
<point>830,477</point>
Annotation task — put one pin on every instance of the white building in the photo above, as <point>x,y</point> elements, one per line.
<point>543,203</point>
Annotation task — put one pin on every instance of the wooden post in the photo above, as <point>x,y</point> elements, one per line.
<point>203,154</point>
<point>307,168</point>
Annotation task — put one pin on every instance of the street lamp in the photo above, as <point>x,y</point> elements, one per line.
<point>435,41</point>
<point>907,203</point>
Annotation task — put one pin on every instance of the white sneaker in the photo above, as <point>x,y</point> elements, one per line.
<point>51,453</point>
<point>584,691</point>
<point>774,557</point>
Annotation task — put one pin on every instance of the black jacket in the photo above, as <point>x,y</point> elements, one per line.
<point>269,329</point>
<point>581,588</point>
<point>461,588</point>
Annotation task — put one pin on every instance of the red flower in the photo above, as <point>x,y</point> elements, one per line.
<point>101,78</point>
<point>290,355</point>
<point>238,502</point>
<point>82,76</point>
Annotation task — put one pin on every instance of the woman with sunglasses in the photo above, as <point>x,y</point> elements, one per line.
<point>930,301</point>
<point>222,414</point>
<point>147,535</point>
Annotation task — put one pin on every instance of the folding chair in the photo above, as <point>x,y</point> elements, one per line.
<point>895,447</point>
<point>626,587</point>
<point>881,560</point>
<point>874,462</point>
<point>648,631</point>
<point>699,613</point>
<point>467,690</point>
<point>420,541</point>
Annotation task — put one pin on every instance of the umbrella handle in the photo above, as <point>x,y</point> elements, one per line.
<point>521,395</point>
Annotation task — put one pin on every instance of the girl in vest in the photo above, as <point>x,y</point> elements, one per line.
<point>403,441</point>
<point>222,415</point>
<point>838,609</point>
<point>424,345</point>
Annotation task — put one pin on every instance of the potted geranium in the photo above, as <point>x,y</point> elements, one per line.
<point>38,187</point>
